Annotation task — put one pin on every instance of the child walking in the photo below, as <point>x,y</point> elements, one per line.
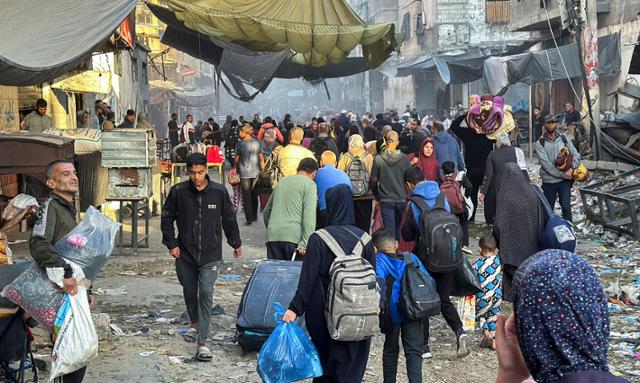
<point>488,300</point>
<point>390,268</point>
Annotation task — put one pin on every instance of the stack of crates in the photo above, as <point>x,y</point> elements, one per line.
<point>129,155</point>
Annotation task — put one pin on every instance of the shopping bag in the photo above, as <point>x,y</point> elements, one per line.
<point>288,355</point>
<point>377,219</point>
<point>76,343</point>
<point>233,178</point>
<point>466,307</point>
<point>89,244</point>
<point>466,281</point>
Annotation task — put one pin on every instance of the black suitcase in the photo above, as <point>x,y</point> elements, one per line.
<point>271,281</point>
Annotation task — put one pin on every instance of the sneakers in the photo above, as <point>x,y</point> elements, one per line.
<point>426,352</point>
<point>463,345</point>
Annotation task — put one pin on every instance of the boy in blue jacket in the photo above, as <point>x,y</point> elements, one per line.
<point>390,268</point>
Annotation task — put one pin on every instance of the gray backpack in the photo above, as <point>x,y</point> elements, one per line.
<point>353,299</point>
<point>358,175</point>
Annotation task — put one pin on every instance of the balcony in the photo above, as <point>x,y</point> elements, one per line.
<point>497,12</point>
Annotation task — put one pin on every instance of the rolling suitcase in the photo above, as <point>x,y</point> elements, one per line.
<point>271,281</point>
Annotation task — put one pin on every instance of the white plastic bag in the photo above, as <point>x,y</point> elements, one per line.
<point>77,342</point>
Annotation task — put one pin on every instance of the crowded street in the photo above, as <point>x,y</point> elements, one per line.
<point>326,191</point>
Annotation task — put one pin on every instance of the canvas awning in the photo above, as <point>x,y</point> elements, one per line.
<point>242,66</point>
<point>317,32</point>
<point>52,38</point>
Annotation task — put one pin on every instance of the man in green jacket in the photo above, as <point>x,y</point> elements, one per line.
<point>56,218</point>
<point>290,214</point>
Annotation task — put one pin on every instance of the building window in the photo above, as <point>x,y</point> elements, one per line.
<point>134,69</point>
<point>419,25</point>
<point>497,11</point>
<point>145,75</point>
<point>406,27</point>
<point>117,63</point>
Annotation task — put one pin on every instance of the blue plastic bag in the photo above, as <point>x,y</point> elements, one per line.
<point>288,355</point>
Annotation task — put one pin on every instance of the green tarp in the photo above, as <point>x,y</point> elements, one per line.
<point>318,32</point>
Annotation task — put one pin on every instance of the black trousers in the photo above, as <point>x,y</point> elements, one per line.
<point>476,176</point>
<point>281,250</point>
<point>249,199</point>
<point>74,377</point>
<point>363,209</point>
<point>411,335</point>
<point>464,225</point>
<point>444,284</point>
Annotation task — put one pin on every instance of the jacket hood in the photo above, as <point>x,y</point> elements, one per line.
<point>392,158</point>
<point>427,189</point>
<point>442,138</point>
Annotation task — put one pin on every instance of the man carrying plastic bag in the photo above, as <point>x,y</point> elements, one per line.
<point>56,218</point>
<point>288,355</point>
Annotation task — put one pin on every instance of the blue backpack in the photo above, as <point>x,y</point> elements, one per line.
<point>557,233</point>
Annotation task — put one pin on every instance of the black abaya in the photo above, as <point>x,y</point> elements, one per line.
<point>342,362</point>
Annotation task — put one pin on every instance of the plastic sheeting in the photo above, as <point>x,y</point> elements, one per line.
<point>549,65</point>
<point>318,32</point>
<point>54,36</point>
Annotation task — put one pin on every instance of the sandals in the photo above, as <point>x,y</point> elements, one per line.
<point>191,335</point>
<point>204,354</point>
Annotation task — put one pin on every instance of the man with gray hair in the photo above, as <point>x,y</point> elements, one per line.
<point>503,154</point>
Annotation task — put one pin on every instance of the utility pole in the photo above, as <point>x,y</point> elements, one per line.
<point>587,36</point>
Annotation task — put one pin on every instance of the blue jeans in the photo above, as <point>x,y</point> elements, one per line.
<point>392,216</point>
<point>563,190</point>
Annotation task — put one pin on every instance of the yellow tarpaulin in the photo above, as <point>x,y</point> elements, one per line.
<point>89,81</point>
<point>319,32</point>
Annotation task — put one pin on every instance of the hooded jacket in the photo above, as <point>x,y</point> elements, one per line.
<point>394,266</point>
<point>429,191</point>
<point>447,149</point>
<point>387,176</point>
<point>200,217</point>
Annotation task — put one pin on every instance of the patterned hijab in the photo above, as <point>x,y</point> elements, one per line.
<point>562,318</point>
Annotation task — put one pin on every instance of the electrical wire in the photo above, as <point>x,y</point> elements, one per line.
<point>553,37</point>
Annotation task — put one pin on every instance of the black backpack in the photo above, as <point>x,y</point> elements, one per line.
<point>418,297</point>
<point>440,236</point>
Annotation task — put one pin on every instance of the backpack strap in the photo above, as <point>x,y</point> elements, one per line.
<point>564,139</point>
<point>544,201</point>
<point>420,202</point>
<point>408,259</point>
<point>363,240</point>
<point>335,247</point>
<point>331,242</point>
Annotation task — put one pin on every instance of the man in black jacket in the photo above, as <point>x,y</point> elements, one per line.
<point>201,208</point>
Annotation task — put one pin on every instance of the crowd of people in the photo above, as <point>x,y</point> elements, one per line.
<point>334,181</point>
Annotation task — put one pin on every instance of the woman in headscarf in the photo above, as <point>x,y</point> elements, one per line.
<point>427,161</point>
<point>559,331</point>
<point>502,154</point>
<point>363,205</point>
<point>519,218</point>
<point>342,362</point>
